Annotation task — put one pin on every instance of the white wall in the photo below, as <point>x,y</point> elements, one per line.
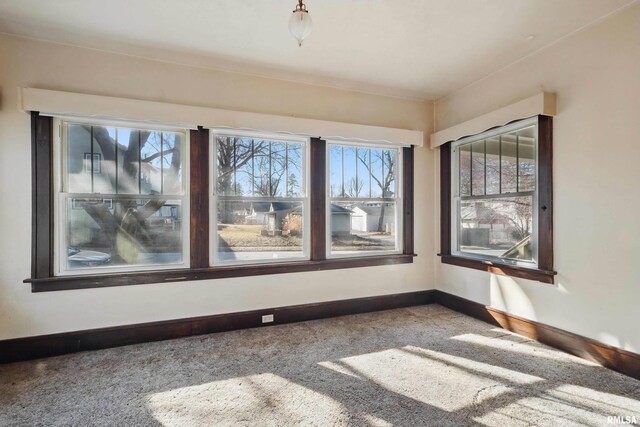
<point>596,166</point>
<point>52,66</point>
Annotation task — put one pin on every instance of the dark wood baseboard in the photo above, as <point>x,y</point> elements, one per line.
<point>14,350</point>
<point>19,349</point>
<point>614,358</point>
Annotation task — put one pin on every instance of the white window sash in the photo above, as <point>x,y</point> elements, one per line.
<point>62,196</point>
<point>456,199</point>
<point>398,199</point>
<point>214,257</point>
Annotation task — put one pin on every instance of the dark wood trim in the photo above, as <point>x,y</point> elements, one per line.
<point>545,192</point>
<point>445,199</point>
<point>43,279</point>
<point>14,350</point>
<point>42,197</point>
<point>317,175</point>
<point>59,283</point>
<point>199,197</point>
<point>407,200</point>
<point>608,356</point>
<point>539,275</point>
<point>544,272</point>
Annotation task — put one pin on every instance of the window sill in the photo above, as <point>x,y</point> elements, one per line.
<point>543,276</point>
<point>60,283</point>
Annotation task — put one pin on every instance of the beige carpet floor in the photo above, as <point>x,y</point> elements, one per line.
<point>421,366</point>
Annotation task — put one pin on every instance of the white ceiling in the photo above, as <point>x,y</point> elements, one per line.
<point>411,48</point>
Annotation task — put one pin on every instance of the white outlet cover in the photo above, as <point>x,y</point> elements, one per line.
<point>267,318</point>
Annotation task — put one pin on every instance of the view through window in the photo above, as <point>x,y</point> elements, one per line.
<point>496,187</point>
<point>123,198</point>
<point>363,207</point>
<point>260,199</point>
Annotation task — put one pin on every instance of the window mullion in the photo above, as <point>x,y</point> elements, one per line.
<point>318,174</point>
<point>199,197</point>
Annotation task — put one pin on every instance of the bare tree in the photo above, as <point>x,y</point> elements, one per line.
<point>385,180</point>
<point>269,172</point>
<point>353,187</point>
<point>233,153</point>
<point>126,230</point>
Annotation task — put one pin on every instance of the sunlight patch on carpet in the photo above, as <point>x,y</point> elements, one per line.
<point>243,400</point>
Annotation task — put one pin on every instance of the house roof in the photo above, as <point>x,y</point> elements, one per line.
<point>482,214</point>
<point>373,210</point>
<point>339,209</point>
<point>283,206</point>
<point>260,207</point>
<point>297,208</point>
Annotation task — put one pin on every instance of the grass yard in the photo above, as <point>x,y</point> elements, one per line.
<point>243,237</point>
<point>247,238</point>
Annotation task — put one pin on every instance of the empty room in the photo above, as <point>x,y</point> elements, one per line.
<point>320,213</point>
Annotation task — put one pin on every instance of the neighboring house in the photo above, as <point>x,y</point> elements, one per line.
<point>367,218</point>
<point>340,217</point>
<point>258,213</point>
<point>482,226</point>
<point>277,212</point>
<point>340,220</point>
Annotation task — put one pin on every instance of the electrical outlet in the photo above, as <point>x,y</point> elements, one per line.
<point>267,318</point>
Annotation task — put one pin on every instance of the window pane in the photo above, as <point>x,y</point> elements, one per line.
<point>172,163</point>
<point>352,184</point>
<point>258,167</point>
<point>465,169</point>
<point>259,230</point>
<point>497,227</point>
<point>364,175</point>
<point>295,159</point>
<point>104,145</point>
<point>278,169</point>
<point>526,159</point>
<point>362,227</point>
<point>493,165</point>
<point>509,163</point>
<point>119,232</point>
<point>335,171</point>
<point>477,168</point>
<point>243,175</point>
<point>225,165</point>
<point>261,168</point>
<point>91,166</point>
<point>389,162</point>
<point>150,162</point>
<point>127,163</point>
<point>377,173</point>
<point>79,159</point>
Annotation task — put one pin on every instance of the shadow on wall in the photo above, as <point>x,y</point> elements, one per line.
<point>506,294</point>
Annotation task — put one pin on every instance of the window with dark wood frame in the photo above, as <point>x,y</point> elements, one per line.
<point>43,276</point>
<point>542,270</point>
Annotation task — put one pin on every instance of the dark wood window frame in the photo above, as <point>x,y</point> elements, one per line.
<point>544,272</point>
<point>42,272</point>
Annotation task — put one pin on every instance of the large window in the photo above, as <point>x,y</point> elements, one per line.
<point>260,200</point>
<point>122,198</point>
<point>117,204</point>
<point>500,197</point>
<point>364,210</point>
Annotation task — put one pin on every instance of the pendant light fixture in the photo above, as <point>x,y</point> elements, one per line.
<point>300,23</point>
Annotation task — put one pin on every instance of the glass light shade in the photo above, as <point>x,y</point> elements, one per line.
<point>300,25</point>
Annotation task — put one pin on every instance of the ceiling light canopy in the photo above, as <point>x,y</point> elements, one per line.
<point>300,23</point>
